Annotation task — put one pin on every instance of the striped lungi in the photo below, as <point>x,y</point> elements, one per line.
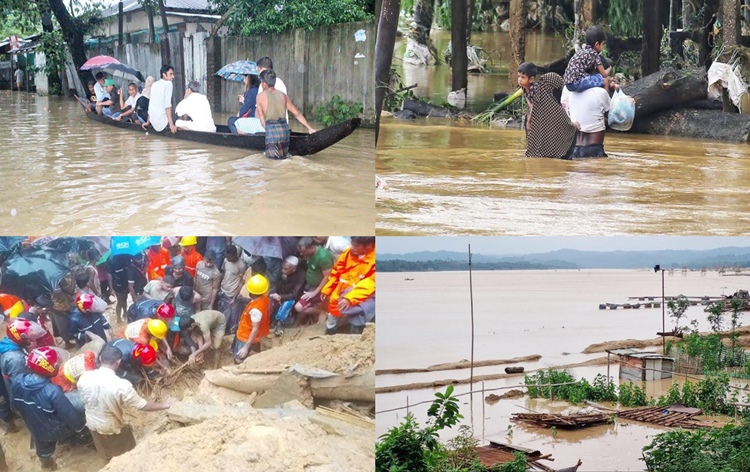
<point>277,139</point>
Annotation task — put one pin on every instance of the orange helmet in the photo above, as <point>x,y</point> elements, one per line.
<point>84,301</point>
<point>145,354</point>
<point>43,361</point>
<point>165,311</point>
<point>21,331</point>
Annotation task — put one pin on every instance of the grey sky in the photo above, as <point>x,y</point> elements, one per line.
<point>503,245</point>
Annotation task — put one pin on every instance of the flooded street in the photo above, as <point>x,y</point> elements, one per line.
<point>554,314</point>
<point>459,179</point>
<point>434,82</point>
<point>63,174</point>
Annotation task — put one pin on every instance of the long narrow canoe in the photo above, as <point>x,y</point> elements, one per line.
<point>301,144</point>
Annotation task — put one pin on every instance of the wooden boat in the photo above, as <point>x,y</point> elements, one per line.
<point>301,144</point>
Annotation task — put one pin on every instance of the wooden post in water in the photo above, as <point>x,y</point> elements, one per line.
<point>471,369</point>
<point>119,24</point>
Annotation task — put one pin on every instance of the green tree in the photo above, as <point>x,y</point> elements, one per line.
<point>248,17</point>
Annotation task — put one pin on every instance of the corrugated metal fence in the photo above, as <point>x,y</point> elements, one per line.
<point>314,65</point>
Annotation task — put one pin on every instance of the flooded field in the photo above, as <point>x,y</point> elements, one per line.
<point>434,82</point>
<point>63,174</point>
<point>553,314</point>
<point>459,179</point>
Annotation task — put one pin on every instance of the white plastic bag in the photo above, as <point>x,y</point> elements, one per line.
<point>621,111</point>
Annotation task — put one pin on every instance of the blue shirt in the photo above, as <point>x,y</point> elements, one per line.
<point>249,106</point>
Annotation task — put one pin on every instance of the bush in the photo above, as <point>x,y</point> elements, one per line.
<point>337,111</point>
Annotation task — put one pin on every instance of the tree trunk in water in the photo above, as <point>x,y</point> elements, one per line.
<point>419,48</point>
<point>699,124</point>
<point>667,89</point>
<point>576,23</point>
<point>651,38</point>
<point>589,12</point>
<point>151,29</point>
<point>165,26</point>
<point>72,31</point>
<point>385,42</point>
<point>517,39</point>
<point>48,27</point>
<point>710,10</point>
<point>687,15</point>
<point>730,22</point>
<point>459,58</point>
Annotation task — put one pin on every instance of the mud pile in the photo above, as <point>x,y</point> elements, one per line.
<point>273,441</point>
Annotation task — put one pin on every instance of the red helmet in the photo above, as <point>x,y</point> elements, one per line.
<point>44,361</point>
<point>21,331</point>
<point>165,311</point>
<point>145,354</point>
<point>84,301</point>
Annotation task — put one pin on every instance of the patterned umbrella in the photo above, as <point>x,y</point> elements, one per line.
<point>99,62</point>
<point>131,244</point>
<point>236,70</point>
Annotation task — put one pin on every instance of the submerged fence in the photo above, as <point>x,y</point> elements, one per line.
<point>314,65</point>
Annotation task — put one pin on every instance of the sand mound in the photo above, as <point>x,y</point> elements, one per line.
<point>272,442</point>
<point>338,353</point>
<point>637,343</point>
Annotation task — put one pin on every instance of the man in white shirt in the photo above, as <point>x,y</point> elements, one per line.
<point>105,396</point>
<point>265,63</point>
<point>160,105</point>
<point>588,111</point>
<point>19,78</point>
<point>196,107</point>
<point>127,107</point>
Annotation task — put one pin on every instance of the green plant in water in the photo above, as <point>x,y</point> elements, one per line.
<point>677,309</point>
<point>337,111</point>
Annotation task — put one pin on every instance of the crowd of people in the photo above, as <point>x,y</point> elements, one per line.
<point>568,115</point>
<point>265,106</point>
<point>179,298</point>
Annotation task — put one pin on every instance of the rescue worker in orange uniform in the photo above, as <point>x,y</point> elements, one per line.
<point>158,260</point>
<point>191,255</point>
<point>350,290</point>
<point>255,321</point>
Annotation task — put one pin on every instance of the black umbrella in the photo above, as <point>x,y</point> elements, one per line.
<point>124,70</point>
<point>32,272</point>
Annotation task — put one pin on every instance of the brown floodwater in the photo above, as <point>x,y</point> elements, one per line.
<point>460,179</point>
<point>63,174</point>
<point>434,82</point>
<point>554,314</point>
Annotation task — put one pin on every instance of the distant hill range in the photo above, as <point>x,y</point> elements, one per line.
<point>566,259</point>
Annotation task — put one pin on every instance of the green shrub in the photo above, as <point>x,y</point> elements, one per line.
<point>337,111</point>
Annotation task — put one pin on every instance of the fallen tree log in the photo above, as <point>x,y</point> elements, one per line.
<point>421,108</point>
<point>700,124</point>
<point>667,89</point>
<point>358,388</point>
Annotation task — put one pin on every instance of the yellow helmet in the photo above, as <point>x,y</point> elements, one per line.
<point>154,345</point>
<point>188,241</point>
<point>157,328</point>
<point>257,285</point>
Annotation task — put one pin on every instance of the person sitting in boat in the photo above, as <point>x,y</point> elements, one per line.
<point>128,106</point>
<point>160,102</point>
<point>271,110</point>
<point>246,122</point>
<point>99,91</point>
<point>141,105</point>
<point>111,104</point>
<point>194,110</point>
<point>92,96</point>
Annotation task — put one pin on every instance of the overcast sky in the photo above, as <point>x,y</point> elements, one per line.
<point>525,245</point>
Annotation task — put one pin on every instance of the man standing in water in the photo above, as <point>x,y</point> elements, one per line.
<point>160,105</point>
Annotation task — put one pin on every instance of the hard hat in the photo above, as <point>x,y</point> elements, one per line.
<point>153,344</point>
<point>257,285</point>
<point>43,361</point>
<point>165,311</point>
<point>22,331</point>
<point>84,301</point>
<point>146,355</point>
<point>157,328</point>
<point>188,241</point>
